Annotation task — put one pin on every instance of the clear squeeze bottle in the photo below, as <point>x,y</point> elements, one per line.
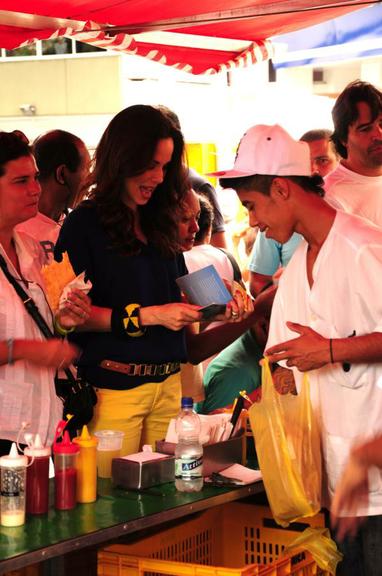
<point>12,485</point>
<point>86,467</point>
<point>37,477</point>
<point>65,471</point>
<point>188,451</point>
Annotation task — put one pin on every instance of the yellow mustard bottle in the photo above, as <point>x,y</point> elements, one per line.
<point>86,467</point>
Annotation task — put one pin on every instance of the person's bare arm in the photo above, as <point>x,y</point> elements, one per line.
<point>257,282</point>
<point>54,353</point>
<point>174,316</point>
<point>204,344</point>
<point>310,350</point>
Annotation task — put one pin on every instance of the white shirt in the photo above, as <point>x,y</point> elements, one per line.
<point>197,258</point>
<point>355,193</point>
<point>27,392</point>
<point>345,296</point>
<point>204,255</point>
<point>45,231</point>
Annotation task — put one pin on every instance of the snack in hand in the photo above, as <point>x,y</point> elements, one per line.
<point>56,276</point>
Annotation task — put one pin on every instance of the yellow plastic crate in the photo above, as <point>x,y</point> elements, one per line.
<point>235,539</point>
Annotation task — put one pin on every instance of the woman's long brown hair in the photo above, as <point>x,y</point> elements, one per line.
<point>126,149</point>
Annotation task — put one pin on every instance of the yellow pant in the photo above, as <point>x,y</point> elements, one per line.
<point>142,413</point>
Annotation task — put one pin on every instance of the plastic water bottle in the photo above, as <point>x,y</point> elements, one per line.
<point>188,451</point>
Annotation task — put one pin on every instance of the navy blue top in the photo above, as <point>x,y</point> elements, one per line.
<point>146,278</point>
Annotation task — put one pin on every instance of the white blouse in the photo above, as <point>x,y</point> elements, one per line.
<point>27,392</point>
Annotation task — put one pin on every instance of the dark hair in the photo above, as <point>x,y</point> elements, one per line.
<point>170,114</point>
<point>125,150</point>
<point>263,184</point>
<point>319,134</point>
<point>13,145</point>
<point>56,148</point>
<point>345,110</point>
<point>316,134</point>
<point>205,218</point>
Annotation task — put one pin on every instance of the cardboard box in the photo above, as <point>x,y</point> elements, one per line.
<point>216,457</point>
<point>138,475</point>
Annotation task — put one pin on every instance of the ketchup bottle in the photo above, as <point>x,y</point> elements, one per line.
<point>37,500</point>
<point>65,469</point>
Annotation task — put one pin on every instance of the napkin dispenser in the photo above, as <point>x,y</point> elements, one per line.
<point>135,473</point>
<point>216,457</point>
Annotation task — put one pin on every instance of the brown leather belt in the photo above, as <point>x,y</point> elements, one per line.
<point>141,369</point>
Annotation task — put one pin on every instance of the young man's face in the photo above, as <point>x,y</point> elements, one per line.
<point>364,143</point>
<point>269,213</point>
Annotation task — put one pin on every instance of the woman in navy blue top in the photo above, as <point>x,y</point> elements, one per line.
<point>125,238</point>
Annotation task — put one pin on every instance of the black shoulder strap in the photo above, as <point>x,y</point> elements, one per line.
<point>236,269</point>
<point>30,307</point>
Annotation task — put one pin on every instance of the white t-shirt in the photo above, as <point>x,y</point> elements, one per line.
<point>197,258</point>
<point>204,255</point>
<point>355,193</point>
<point>45,231</point>
<point>345,296</point>
<point>27,392</point>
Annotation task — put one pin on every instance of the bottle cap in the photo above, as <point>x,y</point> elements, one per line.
<point>85,440</point>
<point>65,446</point>
<point>187,402</point>
<point>13,459</point>
<point>35,448</point>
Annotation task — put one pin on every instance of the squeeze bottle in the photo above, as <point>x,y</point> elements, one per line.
<point>37,477</point>
<point>65,471</point>
<point>12,488</point>
<point>86,467</point>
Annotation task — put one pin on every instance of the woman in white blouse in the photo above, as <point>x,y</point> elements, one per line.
<point>27,361</point>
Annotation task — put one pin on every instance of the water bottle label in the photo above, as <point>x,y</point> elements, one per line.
<point>189,468</point>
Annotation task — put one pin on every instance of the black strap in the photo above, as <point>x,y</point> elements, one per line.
<point>236,268</point>
<point>31,308</point>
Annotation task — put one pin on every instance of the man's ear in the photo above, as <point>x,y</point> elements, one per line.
<point>60,174</point>
<point>280,189</point>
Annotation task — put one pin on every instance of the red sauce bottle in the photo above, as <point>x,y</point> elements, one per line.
<point>37,492</point>
<point>65,472</point>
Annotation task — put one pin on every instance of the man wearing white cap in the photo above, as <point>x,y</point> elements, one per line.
<point>327,314</point>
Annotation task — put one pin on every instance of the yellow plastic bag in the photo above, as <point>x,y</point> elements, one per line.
<point>287,440</point>
<point>319,543</point>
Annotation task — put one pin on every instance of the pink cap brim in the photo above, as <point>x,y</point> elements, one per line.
<point>229,174</point>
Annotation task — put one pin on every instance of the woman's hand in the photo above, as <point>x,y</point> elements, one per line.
<point>75,311</point>
<point>54,353</point>
<point>173,316</point>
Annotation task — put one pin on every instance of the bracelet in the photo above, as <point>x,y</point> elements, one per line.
<point>60,329</point>
<point>126,321</point>
<point>331,350</point>
<point>10,358</point>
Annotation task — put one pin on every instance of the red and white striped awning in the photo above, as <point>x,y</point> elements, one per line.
<point>92,33</point>
<point>199,36</point>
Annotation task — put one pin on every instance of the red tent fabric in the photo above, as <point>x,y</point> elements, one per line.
<point>119,24</point>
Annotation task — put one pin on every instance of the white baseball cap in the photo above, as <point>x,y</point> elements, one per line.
<point>269,150</point>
